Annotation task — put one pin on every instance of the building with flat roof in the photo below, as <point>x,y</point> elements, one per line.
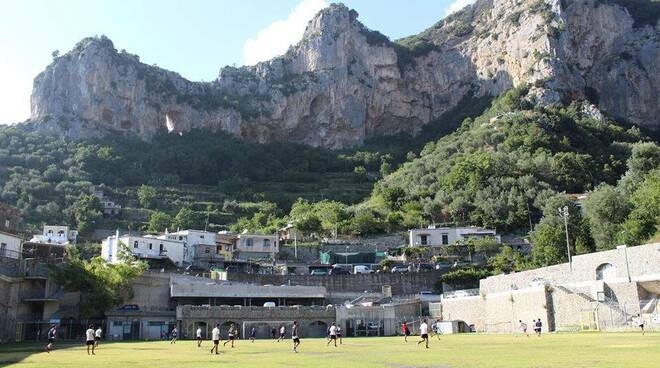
<point>56,234</point>
<point>443,236</point>
<point>256,246</point>
<point>143,247</point>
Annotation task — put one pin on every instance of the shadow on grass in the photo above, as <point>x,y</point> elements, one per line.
<point>16,352</point>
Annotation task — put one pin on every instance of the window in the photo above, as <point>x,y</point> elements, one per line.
<point>249,242</point>
<point>135,244</point>
<point>201,236</point>
<point>266,243</point>
<point>181,238</point>
<point>605,271</point>
<point>445,239</point>
<point>7,223</point>
<point>207,250</point>
<point>424,239</point>
<point>3,249</point>
<point>162,248</point>
<point>151,246</point>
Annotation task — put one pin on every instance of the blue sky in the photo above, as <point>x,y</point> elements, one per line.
<point>194,38</point>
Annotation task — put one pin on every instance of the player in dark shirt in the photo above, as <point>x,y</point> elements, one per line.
<point>295,336</point>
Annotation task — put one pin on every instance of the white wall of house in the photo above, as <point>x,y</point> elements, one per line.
<point>190,239</point>
<point>146,247</point>
<point>10,245</point>
<point>252,243</point>
<point>443,236</point>
<point>56,234</point>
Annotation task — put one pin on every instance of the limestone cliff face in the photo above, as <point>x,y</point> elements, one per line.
<point>344,83</point>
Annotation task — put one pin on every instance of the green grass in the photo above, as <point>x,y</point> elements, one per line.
<point>552,350</point>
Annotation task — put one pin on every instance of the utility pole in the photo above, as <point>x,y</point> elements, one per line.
<point>563,211</point>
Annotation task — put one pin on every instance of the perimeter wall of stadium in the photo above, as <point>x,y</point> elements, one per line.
<point>598,291</point>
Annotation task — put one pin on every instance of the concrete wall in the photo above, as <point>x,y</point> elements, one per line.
<point>152,289</point>
<point>401,284</point>
<point>312,321</point>
<point>643,261</point>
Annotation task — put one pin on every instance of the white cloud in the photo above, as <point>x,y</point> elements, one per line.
<point>457,5</point>
<point>275,39</point>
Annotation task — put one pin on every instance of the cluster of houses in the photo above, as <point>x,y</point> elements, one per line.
<point>196,248</point>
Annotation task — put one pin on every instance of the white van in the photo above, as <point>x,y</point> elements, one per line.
<point>362,269</point>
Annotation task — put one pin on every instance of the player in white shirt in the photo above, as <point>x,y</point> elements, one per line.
<point>215,336</point>
<point>52,334</point>
<point>174,335</point>
<point>332,334</point>
<point>523,327</point>
<point>282,333</point>
<point>640,323</point>
<point>424,333</point>
<point>89,339</point>
<point>97,336</point>
<point>198,335</point>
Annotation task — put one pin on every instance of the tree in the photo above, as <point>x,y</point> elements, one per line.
<point>385,168</point>
<point>55,54</point>
<point>644,219</point>
<point>331,214</point>
<point>606,208</point>
<point>185,219</point>
<point>87,213</point>
<point>102,285</point>
<point>159,221</point>
<point>147,196</point>
<point>507,261</point>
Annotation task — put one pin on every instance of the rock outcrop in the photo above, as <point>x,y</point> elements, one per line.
<point>343,83</point>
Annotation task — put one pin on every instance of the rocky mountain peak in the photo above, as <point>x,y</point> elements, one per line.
<point>343,83</point>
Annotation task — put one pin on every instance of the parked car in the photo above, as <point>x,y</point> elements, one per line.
<point>425,267</point>
<point>318,272</point>
<point>339,271</point>
<point>269,304</point>
<point>400,269</point>
<point>362,269</point>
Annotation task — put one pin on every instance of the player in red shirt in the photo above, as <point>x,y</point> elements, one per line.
<point>406,331</point>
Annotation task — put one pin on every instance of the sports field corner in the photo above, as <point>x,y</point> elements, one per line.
<point>470,350</point>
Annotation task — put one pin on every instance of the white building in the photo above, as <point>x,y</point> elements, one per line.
<point>251,246</point>
<point>55,234</point>
<point>10,245</point>
<point>191,239</point>
<point>443,236</point>
<point>143,247</point>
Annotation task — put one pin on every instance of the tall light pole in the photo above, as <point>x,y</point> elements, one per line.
<point>563,211</point>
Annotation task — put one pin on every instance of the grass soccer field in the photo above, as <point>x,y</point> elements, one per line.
<point>551,350</point>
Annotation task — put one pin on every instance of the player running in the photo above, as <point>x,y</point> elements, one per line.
<point>405,330</point>
<point>282,333</point>
<point>640,323</point>
<point>89,339</point>
<point>339,335</point>
<point>198,335</point>
<point>215,336</point>
<point>253,333</point>
<point>97,336</point>
<point>232,335</point>
<point>52,334</point>
<point>173,334</point>
<point>538,326</point>
<point>424,333</point>
<point>332,334</point>
<point>437,329</point>
<point>295,336</point>
<point>523,327</point>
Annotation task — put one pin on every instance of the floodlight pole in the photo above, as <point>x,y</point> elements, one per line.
<point>563,211</point>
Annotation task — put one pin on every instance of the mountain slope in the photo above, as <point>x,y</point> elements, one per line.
<point>500,168</point>
<point>343,83</point>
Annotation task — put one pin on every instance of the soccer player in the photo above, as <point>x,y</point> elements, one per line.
<point>538,326</point>
<point>405,330</point>
<point>253,333</point>
<point>640,323</point>
<point>52,334</point>
<point>424,333</point>
<point>523,327</point>
<point>89,339</point>
<point>339,335</point>
<point>295,336</point>
<point>97,336</point>
<point>437,329</point>
<point>215,336</point>
<point>282,333</point>
<point>198,334</point>
<point>231,334</point>
<point>332,335</point>
<point>173,334</point>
